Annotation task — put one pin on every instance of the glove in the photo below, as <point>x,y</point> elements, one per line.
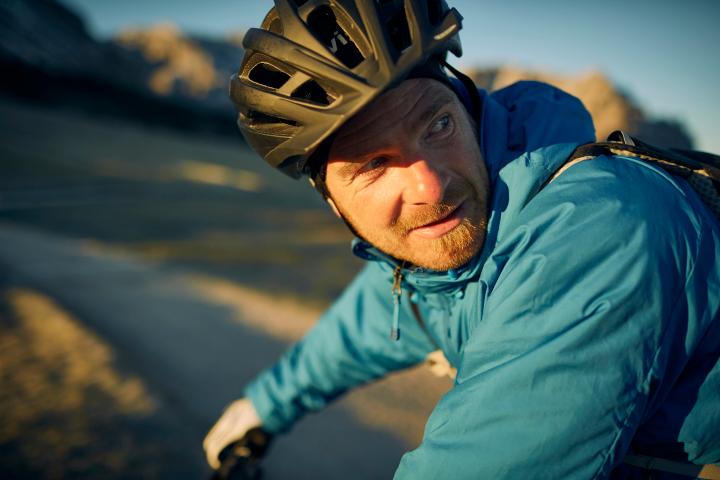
<point>238,417</point>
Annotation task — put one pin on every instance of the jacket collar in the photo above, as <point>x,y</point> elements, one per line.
<point>419,279</point>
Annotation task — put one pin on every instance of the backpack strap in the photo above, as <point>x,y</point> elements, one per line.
<point>705,472</point>
<point>679,162</point>
<point>701,170</point>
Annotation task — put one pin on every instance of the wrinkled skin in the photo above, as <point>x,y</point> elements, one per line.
<point>407,174</point>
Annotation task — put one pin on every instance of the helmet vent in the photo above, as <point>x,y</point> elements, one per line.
<point>269,123</point>
<point>399,32</point>
<point>392,14</point>
<point>436,8</point>
<point>268,76</point>
<point>325,27</point>
<point>311,90</point>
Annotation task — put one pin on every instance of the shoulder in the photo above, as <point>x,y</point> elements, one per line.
<point>607,241</point>
<point>628,194</point>
<point>607,228</point>
<point>608,222</point>
<point>611,207</point>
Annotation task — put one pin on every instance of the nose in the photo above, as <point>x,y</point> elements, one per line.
<point>425,183</point>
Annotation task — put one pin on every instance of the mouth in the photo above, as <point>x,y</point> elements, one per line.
<point>440,227</point>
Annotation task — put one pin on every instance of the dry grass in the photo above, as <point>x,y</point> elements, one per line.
<point>67,412</point>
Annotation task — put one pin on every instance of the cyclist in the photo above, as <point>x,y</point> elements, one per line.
<point>581,310</point>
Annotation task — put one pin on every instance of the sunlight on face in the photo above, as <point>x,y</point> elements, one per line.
<point>408,175</point>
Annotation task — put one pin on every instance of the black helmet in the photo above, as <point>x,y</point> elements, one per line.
<point>315,63</point>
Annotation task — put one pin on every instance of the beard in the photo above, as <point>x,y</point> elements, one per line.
<point>451,250</point>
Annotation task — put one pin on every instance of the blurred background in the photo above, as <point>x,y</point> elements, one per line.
<point>150,264</point>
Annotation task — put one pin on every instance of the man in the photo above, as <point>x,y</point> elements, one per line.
<point>581,309</point>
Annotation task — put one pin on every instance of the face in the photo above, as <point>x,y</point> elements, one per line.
<point>408,175</point>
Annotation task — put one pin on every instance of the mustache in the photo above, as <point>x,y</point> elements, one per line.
<point>455,194</point>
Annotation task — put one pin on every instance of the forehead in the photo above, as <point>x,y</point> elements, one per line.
<point>411,102</point>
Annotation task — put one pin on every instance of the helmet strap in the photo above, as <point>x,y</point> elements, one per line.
<point>469,94</point>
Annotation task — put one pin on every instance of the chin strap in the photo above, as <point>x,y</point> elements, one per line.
<point>468,94</point>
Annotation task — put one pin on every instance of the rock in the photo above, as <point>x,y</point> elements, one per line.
<point>164,76</point>
<point>191,68</point>
<point>610,107</point>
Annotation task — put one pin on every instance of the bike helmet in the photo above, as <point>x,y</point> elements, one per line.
<point>314,64</point>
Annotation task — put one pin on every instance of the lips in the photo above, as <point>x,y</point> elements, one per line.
<point>439,227</point>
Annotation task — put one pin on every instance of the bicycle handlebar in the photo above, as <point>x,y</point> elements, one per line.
<point>241,459</point>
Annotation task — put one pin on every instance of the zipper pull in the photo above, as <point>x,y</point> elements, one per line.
<point>397,294</point>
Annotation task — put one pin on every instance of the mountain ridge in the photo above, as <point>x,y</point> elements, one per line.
<point>161,75</point>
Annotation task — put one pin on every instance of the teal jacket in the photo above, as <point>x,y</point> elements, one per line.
<point>588,326</point>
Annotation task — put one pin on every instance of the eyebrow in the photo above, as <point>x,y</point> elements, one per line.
<point>438,104</point>
<point>348,171</point>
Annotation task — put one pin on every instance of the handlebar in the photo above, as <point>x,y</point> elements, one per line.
<point>241,459</point>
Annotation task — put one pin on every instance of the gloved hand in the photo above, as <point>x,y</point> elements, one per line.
<point>238,417</point>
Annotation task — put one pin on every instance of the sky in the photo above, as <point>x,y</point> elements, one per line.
<point>664,53</point>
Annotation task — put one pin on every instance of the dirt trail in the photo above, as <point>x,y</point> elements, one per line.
<point>184,345</point>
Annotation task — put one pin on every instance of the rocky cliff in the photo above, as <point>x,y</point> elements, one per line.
<point>190,68</point>
<point>45,36</point>
<point>161,75</point>
<point>47,55</point>
<point>610,108</point>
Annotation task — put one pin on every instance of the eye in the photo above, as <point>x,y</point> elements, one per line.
<point>440,126</point>
<point>374,167</point>
<point>376,163</point>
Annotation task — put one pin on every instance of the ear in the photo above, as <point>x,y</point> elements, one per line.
<point>333,206</point>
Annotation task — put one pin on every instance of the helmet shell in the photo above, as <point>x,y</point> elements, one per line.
<point>314,64</point>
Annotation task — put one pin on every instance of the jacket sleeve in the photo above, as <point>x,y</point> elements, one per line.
<point>350,345</point>
<point>574,345</point>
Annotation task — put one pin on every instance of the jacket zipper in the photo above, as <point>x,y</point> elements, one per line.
<point>397,294</point>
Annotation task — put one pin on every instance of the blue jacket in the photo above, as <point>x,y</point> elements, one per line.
<point>588,325</point>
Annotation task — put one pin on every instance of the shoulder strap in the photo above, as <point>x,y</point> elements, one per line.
<point>700,169</point>
<point>704,472</point>
<point>681,162</point>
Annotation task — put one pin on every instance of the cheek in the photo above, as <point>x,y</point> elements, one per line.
<point>472,164</point>
<point>376,207</point>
